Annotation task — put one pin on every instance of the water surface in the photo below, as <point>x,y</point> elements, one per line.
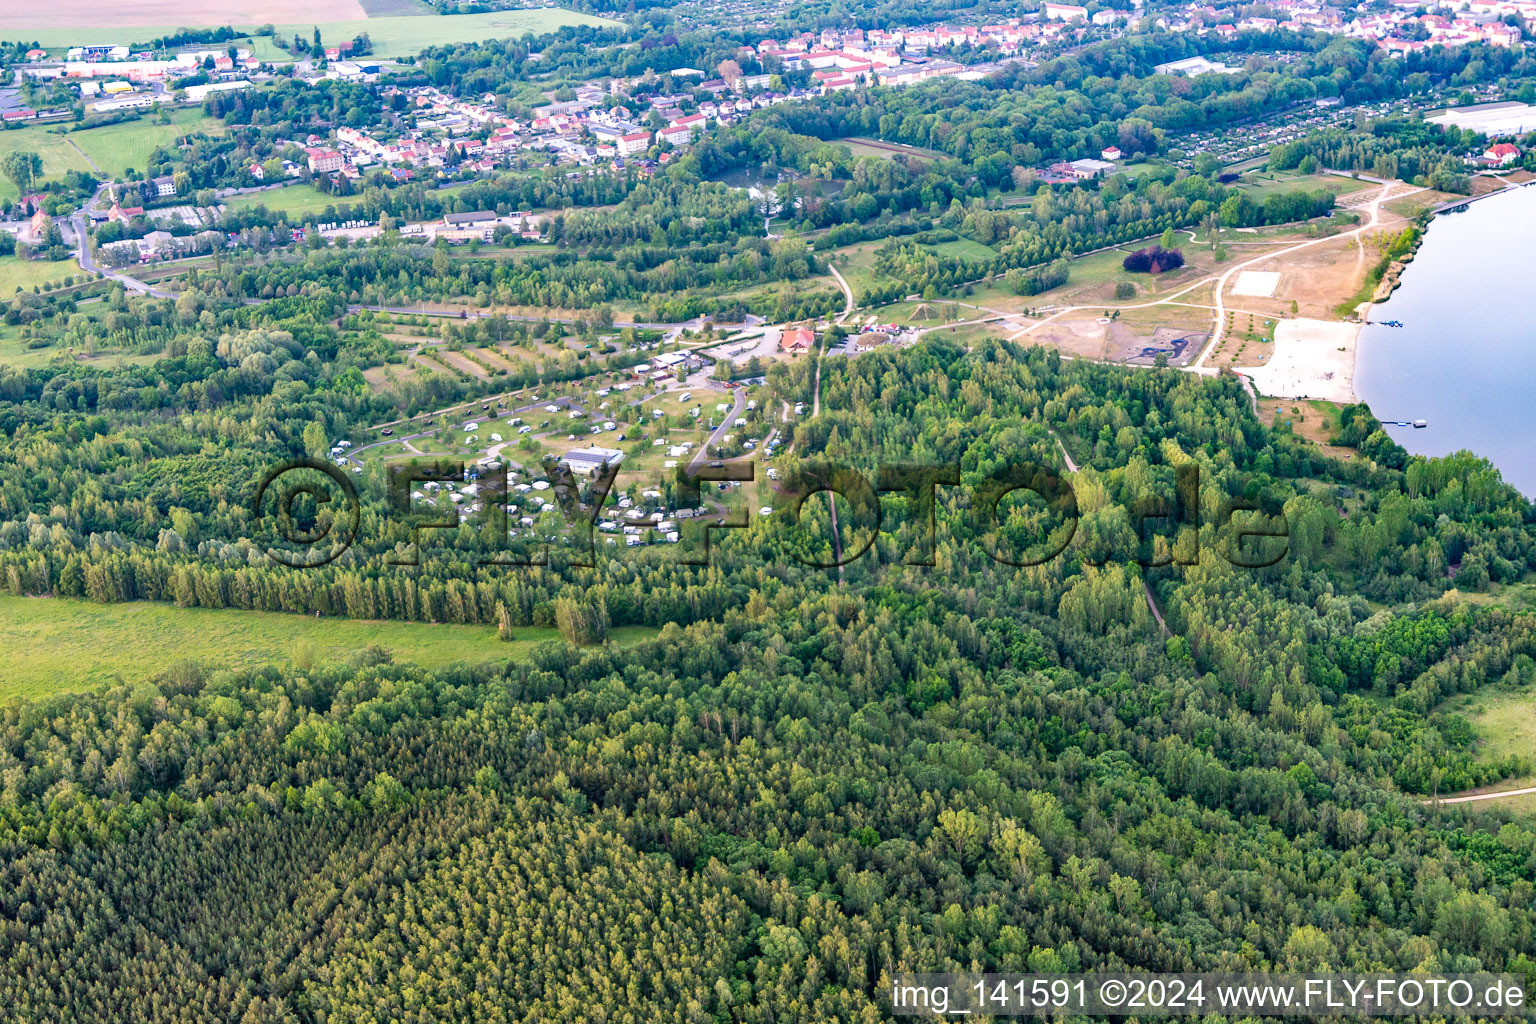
<point>1465,359</point>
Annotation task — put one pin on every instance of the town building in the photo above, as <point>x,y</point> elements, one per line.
<point>1066,12</point>
<point>635,142</point>
<point>324,161</point>
<point>797,339</point>
<point>591,461</point>
<point>1501,154</point>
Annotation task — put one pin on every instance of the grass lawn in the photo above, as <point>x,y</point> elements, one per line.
<point>964,248</point>
<point>114,147</point>
<point>295,199</point>
<point>54,645</point>
<point>1140,167</point>
<point>1283,182</point>
<point>16,272</point>
<point>861,147</point>
<point>58,156</point>
<point>118,147</point>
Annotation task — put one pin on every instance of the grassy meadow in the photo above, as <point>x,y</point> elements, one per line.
<point>54,645</point>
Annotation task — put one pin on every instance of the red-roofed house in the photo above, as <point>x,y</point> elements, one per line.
<point>1501,154</point>
<point>675,134</point>
<point>323,161</point>
<point>800,339</point>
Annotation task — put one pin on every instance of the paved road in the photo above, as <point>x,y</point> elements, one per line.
<point>737,408</point>
<point>90,266</point>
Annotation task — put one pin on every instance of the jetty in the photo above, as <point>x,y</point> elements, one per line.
<point>1462,204</point>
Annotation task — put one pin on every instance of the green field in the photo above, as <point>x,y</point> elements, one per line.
<point>117,147</point>
<point>16,272</point>
<point>53,645</point>
<point>391,36</point>
<point>58,155</point>
<point>114,147</point>
<point>296,199</point>
<point>964,248</point>
<point>863,147</point>
<point>1259,185</point>
<point>1505,721</point>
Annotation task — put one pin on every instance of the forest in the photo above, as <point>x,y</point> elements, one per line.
<point>799,787</point>
<point>1197,718</point>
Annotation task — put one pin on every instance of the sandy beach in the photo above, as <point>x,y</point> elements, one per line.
<point>1312,359</point>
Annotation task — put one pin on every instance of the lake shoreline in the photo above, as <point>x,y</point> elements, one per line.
<point>1461,361</point>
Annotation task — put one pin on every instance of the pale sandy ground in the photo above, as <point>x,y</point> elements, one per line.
<point>17,16</point>
<point>1257,283</point>
<point>1308,361</point>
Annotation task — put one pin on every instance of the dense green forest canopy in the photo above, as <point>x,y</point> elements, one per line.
<point>800,786</point>
<point>1140,753</point>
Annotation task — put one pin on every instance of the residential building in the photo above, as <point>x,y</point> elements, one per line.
<point>1065,12</point>
<point>1501,154</point>
<point>797,339</point>
<point>638,142</point>
<point>324,161</point>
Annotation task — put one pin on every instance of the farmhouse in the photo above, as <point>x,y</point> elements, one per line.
<point>798,339</point>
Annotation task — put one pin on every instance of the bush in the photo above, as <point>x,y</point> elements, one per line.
<point>1125,290</point>
<point>1153,259</point>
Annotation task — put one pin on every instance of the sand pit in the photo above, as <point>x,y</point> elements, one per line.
<point>1313,359</point>
<point>1256,283</point>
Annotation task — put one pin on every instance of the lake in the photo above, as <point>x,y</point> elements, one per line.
<point>1465,359</point>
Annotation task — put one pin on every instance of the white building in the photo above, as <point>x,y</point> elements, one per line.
<point>591,461</point>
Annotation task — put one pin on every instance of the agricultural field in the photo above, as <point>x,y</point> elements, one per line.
<point>69,20</point>
<point>392,36</point>
<point>55,645</point>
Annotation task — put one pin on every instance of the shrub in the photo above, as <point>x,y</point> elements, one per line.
<point>1153,259</point>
